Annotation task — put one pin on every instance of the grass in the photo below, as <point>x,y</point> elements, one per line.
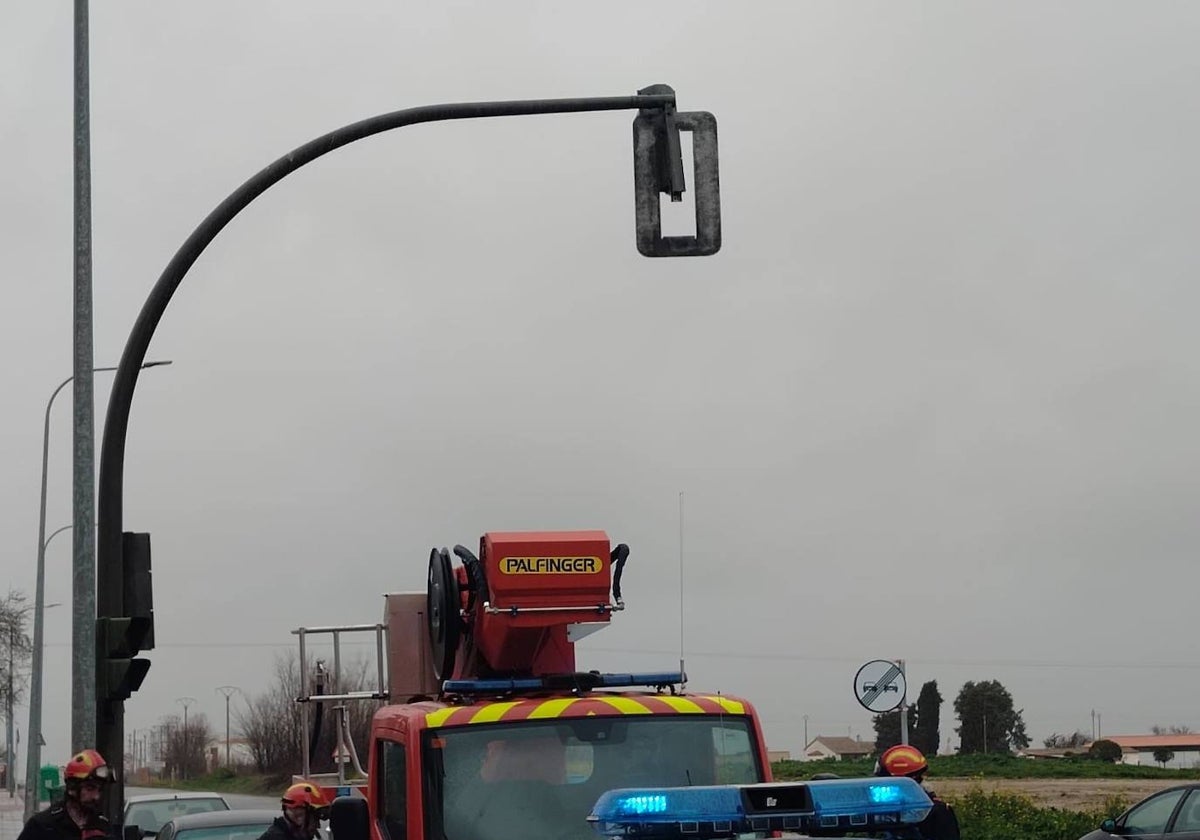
<point>227,781</point>
<point>990,767</point>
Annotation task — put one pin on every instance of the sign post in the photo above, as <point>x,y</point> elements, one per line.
<point>880,687</point>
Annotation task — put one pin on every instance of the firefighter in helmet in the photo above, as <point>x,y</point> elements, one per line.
<point>78,816</point>
<point>906,760</point>
<point>304,806</point>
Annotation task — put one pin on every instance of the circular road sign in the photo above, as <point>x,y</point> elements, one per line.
<point>879,686</point>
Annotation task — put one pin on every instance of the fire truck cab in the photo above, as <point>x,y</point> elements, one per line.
<point>491,731</point>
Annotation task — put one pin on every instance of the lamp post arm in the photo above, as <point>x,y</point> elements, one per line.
<point>109,595</point>
<point>116,424</point>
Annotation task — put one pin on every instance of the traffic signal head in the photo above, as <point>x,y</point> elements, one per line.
<point>120,672</point>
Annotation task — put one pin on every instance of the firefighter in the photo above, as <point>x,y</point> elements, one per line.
<point>304,806</point>
<point>77,816</point>
<point>906,760</point>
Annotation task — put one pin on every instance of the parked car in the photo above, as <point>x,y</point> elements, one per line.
<point>1173,812</point>
<point>237,824</point>
<point>150,811</point>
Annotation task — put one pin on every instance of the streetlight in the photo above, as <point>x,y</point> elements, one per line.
<point>183,765</point>
<point>79,691</point>
<point>658,169</point>
<point>228,691</point>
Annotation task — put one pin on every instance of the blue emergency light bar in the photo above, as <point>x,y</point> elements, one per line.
<point>555,682</point>
<point>725,810</point>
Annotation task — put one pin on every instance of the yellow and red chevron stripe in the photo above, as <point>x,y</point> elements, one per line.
<point>594,705</point>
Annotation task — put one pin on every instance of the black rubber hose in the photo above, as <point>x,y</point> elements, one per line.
<point>618,557</point>
<point>316,730</point>
<point>475,579</point>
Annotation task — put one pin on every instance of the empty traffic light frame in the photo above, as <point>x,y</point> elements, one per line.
<point>658,170</point>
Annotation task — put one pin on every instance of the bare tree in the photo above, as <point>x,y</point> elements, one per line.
<point>15,645</point>
<point>15,651</point>
<point>1075,739</point>
<point>1176,729</point>
<point>184,752</point>
<point>272,723</point>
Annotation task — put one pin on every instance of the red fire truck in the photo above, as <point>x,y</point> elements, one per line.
<point>491,730</point>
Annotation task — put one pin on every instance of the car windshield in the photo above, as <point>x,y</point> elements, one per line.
<point>539,780</point>
<point>151,816</point>
<point>251,831</point>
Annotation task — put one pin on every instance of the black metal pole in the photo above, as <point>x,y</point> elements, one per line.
<point>110,714</point>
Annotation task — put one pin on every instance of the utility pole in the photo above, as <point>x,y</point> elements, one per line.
<point>11,772</point>
<point>187,758</point>
<point>805,731</point>
<point>83,574</point>
<point>228,691</point>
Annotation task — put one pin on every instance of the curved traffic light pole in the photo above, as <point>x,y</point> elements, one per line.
<point>658,169</point>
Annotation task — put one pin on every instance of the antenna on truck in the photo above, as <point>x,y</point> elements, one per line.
<point>682,670</point>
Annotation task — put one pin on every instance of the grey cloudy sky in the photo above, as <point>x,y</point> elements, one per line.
<point>936,398</point>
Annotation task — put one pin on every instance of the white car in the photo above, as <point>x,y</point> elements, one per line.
<point>149,812</point>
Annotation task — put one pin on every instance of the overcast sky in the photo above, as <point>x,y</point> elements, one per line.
<point>936,398</point>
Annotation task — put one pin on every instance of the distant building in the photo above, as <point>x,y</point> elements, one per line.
<point>779,755</point>
<point>1140,749</point>
<point>839,747</point>
<point>239,753</point>
<point>1135,749</point>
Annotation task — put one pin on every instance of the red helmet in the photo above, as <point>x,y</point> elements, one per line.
<point>87,766</point>
<point>901,760</point>
<point>305,794</point>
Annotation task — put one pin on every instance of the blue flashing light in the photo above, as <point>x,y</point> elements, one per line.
<point>886,794</point>
<point>666,806</point>
<point>492,686</point>
<point>641,804</point>
<point>651,679</point>
<point>876,796</point>
<point>720,810</point>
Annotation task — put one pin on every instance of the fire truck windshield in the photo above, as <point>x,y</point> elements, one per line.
<point>537,780</point>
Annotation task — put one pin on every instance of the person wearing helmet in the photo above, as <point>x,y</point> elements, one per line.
<point>77,816</point>
<point>907,760</point>
<point>304,806</point>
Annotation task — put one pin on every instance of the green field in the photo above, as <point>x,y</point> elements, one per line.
<point>990,767</point>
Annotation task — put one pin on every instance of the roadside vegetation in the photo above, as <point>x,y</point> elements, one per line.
<point>982,766</point>
<point>1000,815</point>
<point>224,780</point>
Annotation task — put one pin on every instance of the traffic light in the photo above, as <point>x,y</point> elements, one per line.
<point>658,170</point>
<point>120,671</point>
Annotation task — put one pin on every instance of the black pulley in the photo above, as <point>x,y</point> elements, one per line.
<point>441,611</point>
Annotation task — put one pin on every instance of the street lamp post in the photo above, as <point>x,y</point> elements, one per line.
<point>11,773</point>
<point>228,691</point>
<point>183,764</point>
<point>81,689</point>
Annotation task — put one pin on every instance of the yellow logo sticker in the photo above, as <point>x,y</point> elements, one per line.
<point>550,565</point>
